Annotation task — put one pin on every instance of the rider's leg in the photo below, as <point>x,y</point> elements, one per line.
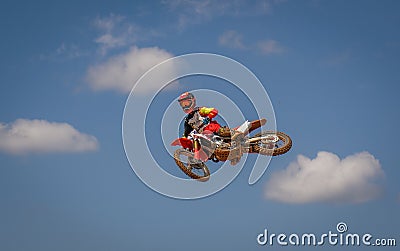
<point>237,135</point>
<point>212,127</point>
<point>199,152</point>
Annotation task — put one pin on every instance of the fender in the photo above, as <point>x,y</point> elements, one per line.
<point>184,142</point>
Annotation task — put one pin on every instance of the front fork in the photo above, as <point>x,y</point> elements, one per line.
<point>196,145</point>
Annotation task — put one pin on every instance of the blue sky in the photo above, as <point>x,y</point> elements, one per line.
<point>331,69</point>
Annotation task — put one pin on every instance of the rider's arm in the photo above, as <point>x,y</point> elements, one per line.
<point>209,112</point>
<point>187,129</point>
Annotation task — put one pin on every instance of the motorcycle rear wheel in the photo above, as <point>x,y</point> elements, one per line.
<point>192,167</point>
<point>282,146</point>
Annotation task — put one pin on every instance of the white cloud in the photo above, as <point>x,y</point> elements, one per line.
<point>232,39</point>
<point>108,23</point>
<point>115,32</point>
<point>122,71</point>
<point>40,136</point>
<point>64,52</point>
<point>197,11</point>
<point>327,178</point>
<point>270,47</point>
<point>108,41</point>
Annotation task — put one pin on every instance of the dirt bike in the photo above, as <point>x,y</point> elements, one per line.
<point>198,148</point>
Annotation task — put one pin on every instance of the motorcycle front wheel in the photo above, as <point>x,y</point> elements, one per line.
<point>192,167</point>
<point>272,143</point>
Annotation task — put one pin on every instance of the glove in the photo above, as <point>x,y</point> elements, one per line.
<point>213,113</point>
<point>206,120</point>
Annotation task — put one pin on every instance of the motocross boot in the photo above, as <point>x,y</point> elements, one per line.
<point>237,136</point>
<point>235,161</point>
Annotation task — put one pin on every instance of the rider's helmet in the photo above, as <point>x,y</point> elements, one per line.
<point>187,102</point>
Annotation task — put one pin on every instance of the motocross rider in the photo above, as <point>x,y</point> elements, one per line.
<point>200,118</point>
